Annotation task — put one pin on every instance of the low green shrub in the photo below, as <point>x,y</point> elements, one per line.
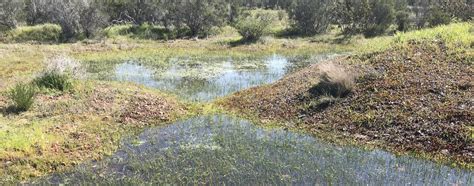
<point>22,96</point>
<point>38,33</point>
<point>252,27</point>
<point>145,31</point>
<point>54,80</point>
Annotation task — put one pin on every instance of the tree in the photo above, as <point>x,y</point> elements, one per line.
<point>92,19</point>
<point>403,21</point>
<point>10,11</point>
<point>436,16</point>
<point>370,17</point>
<point>77,18</point>
<point>310,16</point>
<point>199,15</point>
<point>137,12</point>
<point>380,18</point>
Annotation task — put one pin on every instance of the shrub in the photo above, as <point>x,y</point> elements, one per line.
<point>59,73</point>
<point>39,33</point>
<point>117,30</point>
<point>54,80</point>
<point>251,28</point>
<point>145,31</point>
<point>335,82</point>
<point>22,96</point>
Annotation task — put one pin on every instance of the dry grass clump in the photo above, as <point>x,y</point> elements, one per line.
<point>63,64</point>
<point>335,81</point>
<point>59,72</point>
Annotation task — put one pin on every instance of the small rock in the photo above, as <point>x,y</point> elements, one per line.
<point>445,151</point>
<point>106,118</point>
<point>361,137</point>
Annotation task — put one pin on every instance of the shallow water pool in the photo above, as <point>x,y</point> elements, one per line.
<point>223,149</point>
<point>205,80</point>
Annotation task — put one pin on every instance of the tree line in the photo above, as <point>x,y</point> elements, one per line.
<point>195,18</point>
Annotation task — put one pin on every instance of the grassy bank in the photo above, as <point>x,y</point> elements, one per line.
<point>65,129</point>
<point>411,98</point>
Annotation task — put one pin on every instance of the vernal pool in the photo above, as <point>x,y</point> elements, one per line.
<point>208,79</point>
<point>220,149</point>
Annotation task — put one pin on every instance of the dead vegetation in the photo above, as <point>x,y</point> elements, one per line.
<point>415,98</point>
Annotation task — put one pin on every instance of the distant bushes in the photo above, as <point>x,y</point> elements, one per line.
<point>170,19</point>
<point>145,31</point>
<point>252,27</point>
<point>38,33</point>
<point>22,96</point>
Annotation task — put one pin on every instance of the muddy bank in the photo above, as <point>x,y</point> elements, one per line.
<point>415,98</point>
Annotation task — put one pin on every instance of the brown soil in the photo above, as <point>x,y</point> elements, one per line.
<point>418,98</point>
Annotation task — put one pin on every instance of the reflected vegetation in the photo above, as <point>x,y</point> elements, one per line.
<point>223,149</point>
<point>196,79</point>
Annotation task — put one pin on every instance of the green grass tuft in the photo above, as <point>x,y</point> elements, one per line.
<point>22,96</point>
<point>54,80</point>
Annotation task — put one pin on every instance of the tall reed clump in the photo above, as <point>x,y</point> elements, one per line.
<point>59,73</point>
<point>23,96</point>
